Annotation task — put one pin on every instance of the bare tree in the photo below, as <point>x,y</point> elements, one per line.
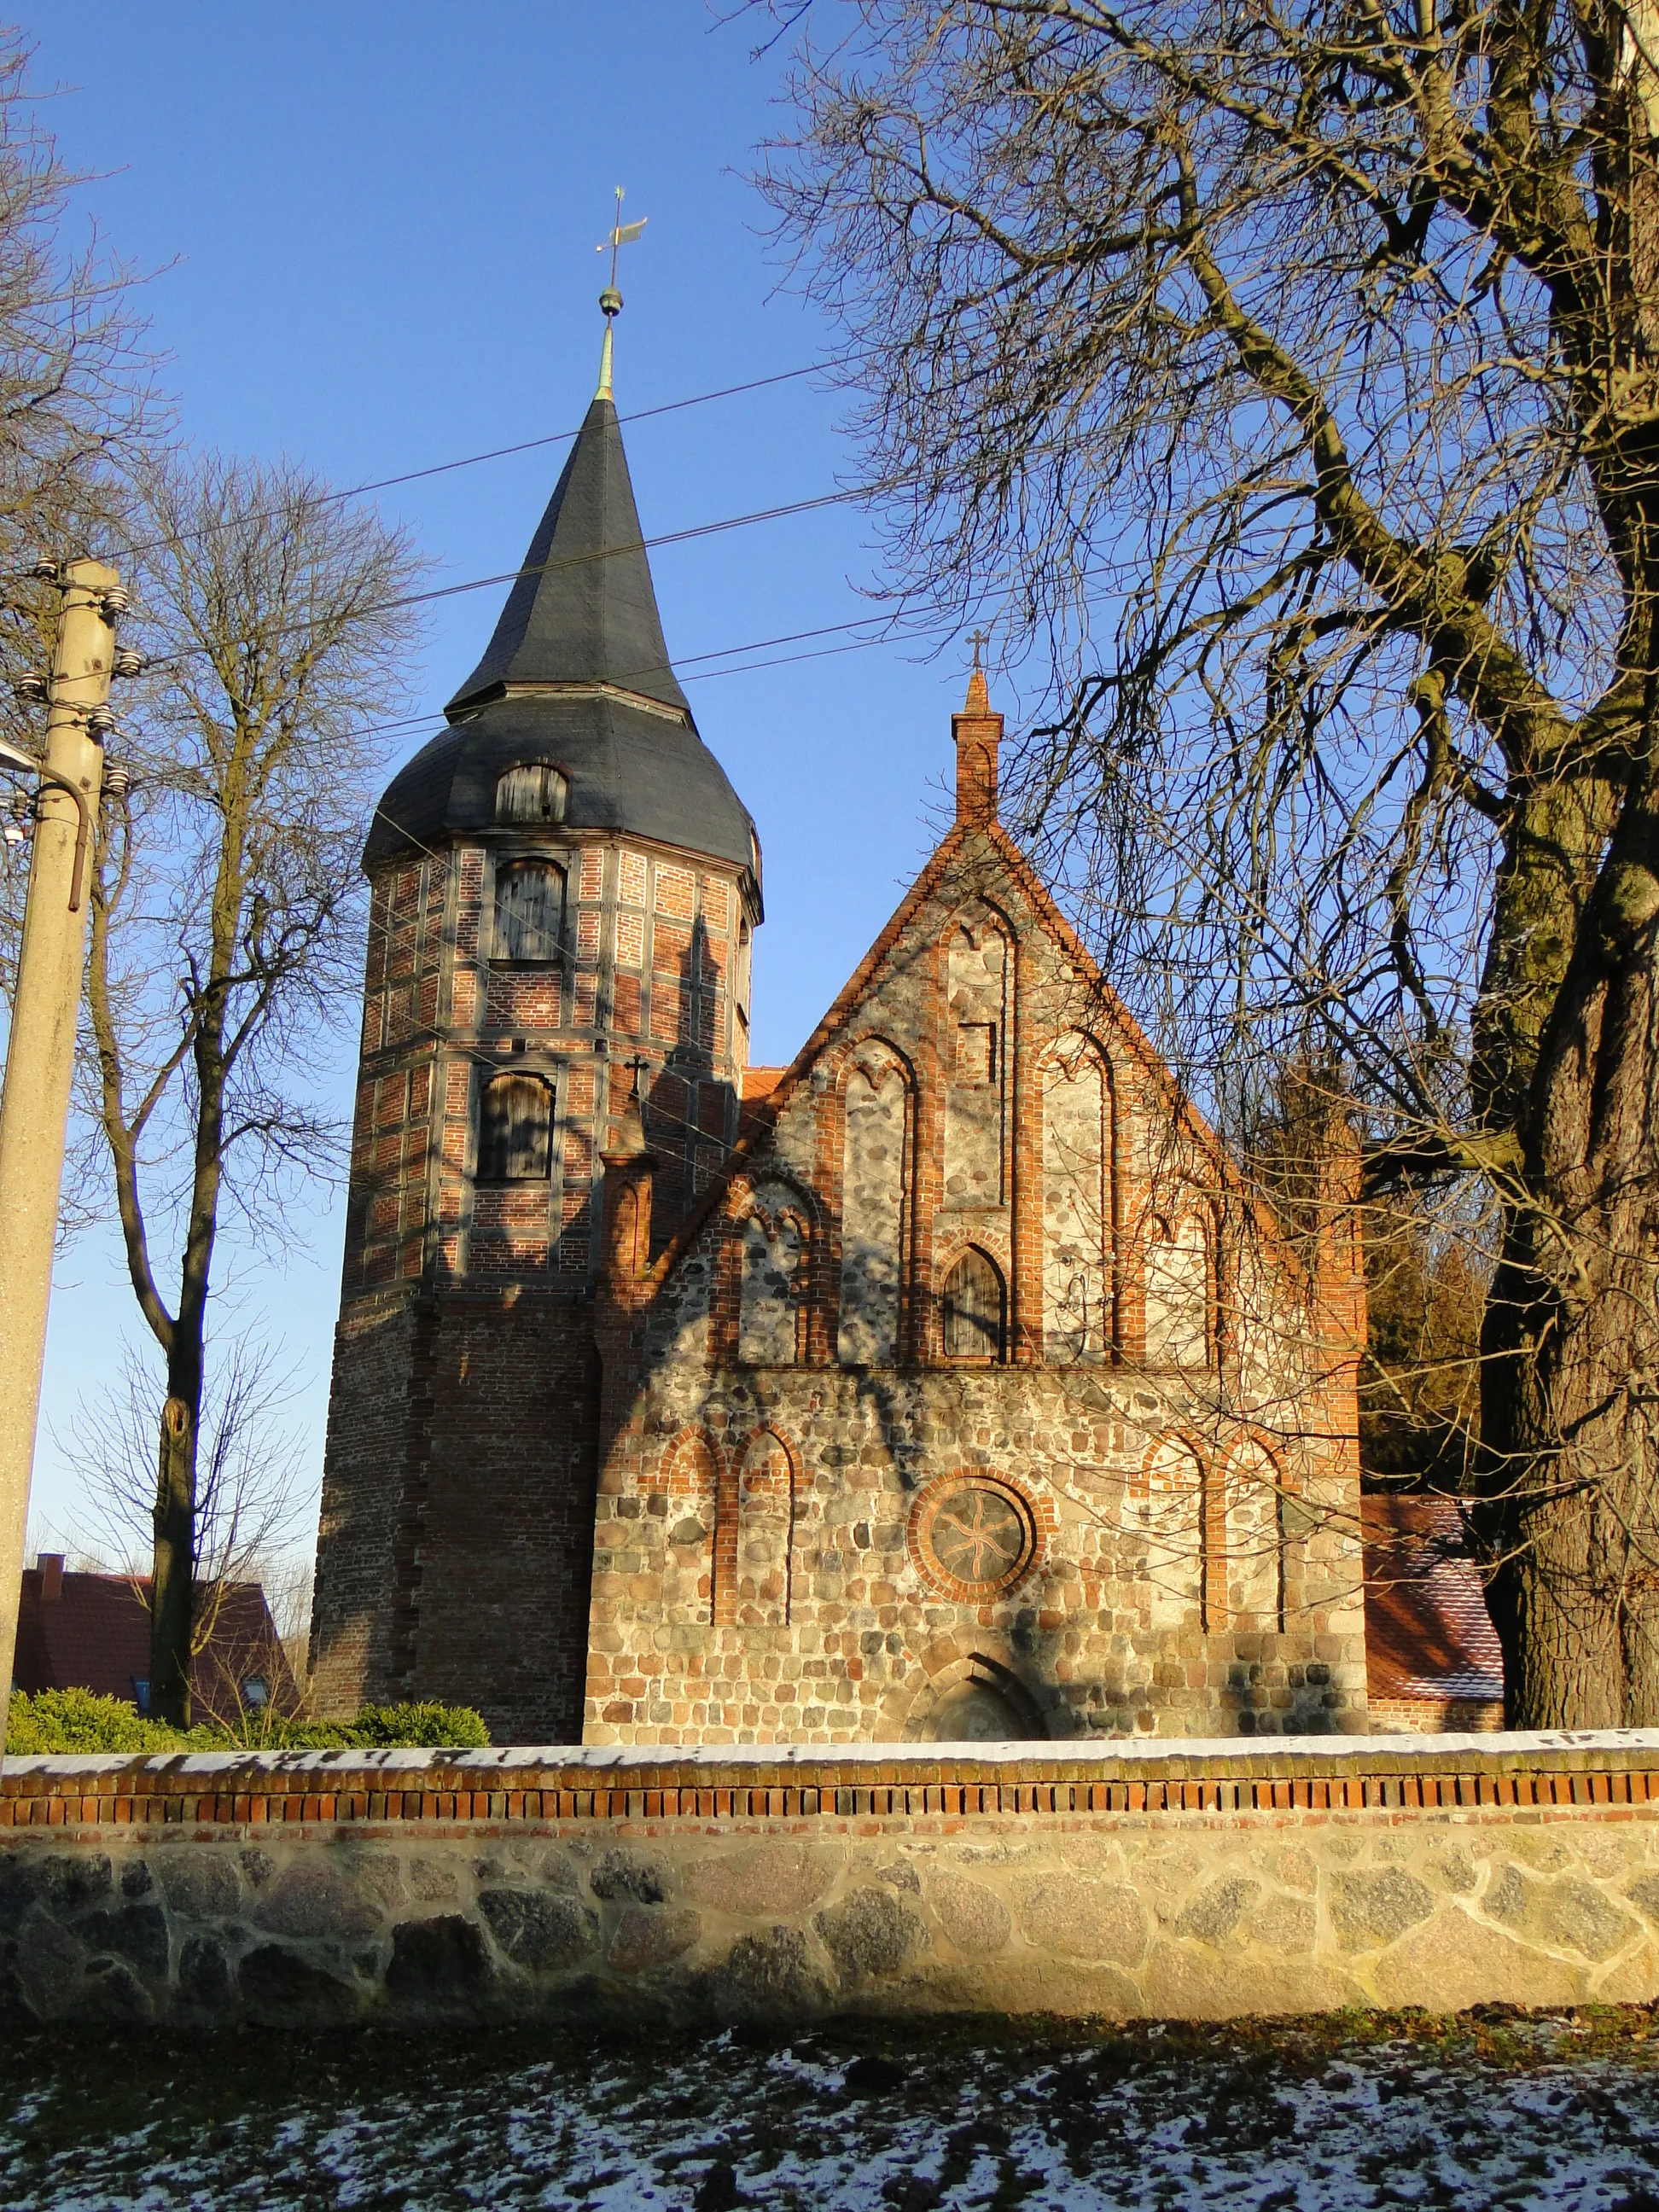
<point>227,910</point>
<point>249,1478</point>
<point>1288,374</point>
<point>75,406</point>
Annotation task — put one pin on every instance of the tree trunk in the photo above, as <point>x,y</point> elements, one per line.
<point>172,1589</point>
<point>1570,1416</point>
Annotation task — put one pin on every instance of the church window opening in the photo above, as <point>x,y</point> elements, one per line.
<point>529,911</point>
<point>515,1129</point>
<point>978,974</point>
<point>768,1285</point>
<point>975,1309</point>
<point>1168,1514</point>
<point>972,1536</point>
<point>533,792</point>
<point>1077,1297</point>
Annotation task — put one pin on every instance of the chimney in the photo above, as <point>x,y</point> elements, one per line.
<point>978,733</point>
<point>49,1566</point>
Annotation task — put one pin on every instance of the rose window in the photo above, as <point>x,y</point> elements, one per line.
<point>974,1537</point>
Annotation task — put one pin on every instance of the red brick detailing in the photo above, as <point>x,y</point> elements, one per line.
<point>529,1001</point>
<point>1045,1783</point>
<point>676,891</point>
<point>978,736</point>
<point>671,950</point>
<point>1036,1513</point>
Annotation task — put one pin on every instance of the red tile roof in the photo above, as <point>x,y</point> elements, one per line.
<point>94,1634</point>
<point>1428,1634</point>
<point>758,1085</point>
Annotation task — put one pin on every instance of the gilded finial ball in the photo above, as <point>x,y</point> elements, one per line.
<point>611,300</point>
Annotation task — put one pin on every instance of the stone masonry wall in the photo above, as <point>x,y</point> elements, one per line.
<point>1059,1527</point>
<point>871,1634</point>
<point>313,1892</point>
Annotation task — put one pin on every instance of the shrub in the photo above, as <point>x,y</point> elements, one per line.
<point>69,1721</point>
<point>75,1720</point>
<point>440,1727</point>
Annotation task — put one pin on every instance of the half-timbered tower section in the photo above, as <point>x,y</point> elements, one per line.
<point>972,1399</point>
<point>563,885</point>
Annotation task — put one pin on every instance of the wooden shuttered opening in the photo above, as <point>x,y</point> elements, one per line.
<point>515,1129</point>
<point>529,911</point>
<point>534,792</point>
<point>973,1309</point>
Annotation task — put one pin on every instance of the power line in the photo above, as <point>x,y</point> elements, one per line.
<point>571,561</point>
<point>500,452</point>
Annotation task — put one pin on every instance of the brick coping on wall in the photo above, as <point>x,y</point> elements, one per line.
<point>209,1791</point>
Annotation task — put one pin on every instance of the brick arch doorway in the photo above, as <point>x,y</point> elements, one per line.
<point>976,1701</point>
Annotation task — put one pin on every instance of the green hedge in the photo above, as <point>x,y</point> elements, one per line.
<point>67,1721</point>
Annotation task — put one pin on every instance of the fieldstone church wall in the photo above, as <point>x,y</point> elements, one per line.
<point>977,1399</point>
<point>321,1890</point>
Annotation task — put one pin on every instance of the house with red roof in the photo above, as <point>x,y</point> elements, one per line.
<point>91,1632</point>
<point>1432,1660</point>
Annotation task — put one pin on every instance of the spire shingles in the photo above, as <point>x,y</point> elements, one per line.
<point>583,610</point>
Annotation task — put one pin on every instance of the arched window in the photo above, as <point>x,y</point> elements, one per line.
<point>1178,1292</point>
<point>529,911</point>
<point>534,792</point>
<point>974,1309</point>
<point>873,1140</point>
<point>515,1129</point>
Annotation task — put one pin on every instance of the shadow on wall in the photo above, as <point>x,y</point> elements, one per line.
<point>976,1701</point>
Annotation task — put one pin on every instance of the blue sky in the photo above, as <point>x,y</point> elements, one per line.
<point>372,233</point>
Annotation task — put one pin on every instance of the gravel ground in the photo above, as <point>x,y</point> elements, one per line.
<point>1340,2113</point>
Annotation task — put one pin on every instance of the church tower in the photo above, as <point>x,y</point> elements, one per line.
<point>564,888</point>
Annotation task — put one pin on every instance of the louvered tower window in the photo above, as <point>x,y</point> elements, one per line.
<point>529,911</point>
<point>532,792</point>
<point>974,1306</point>
<point>515,1129</point>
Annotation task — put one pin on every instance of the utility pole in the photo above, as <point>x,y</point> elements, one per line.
<point>40,1057</point>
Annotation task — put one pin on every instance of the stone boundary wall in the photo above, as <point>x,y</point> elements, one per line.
<point>1201,1880</point>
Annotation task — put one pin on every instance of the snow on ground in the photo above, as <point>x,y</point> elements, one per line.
<point>1321,2117</point>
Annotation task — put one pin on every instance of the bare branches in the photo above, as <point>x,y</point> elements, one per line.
<point>228,902</point>
<point>1285,380</point>
<point>251,1472</point>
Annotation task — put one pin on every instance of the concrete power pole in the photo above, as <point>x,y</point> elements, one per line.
<point>40,1057</point>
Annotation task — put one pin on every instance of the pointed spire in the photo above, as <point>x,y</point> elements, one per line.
<point>978,735</point>
<point>583,610</point>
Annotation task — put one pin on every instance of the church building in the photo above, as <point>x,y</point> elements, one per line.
<point>942,1385</point>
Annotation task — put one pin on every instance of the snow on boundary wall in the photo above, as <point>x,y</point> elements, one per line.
<point>1196,1879</point>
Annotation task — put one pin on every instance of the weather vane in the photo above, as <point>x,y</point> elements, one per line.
<point>622,233</point>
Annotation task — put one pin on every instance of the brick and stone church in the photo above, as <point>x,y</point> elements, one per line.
<point>941,1385</point>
